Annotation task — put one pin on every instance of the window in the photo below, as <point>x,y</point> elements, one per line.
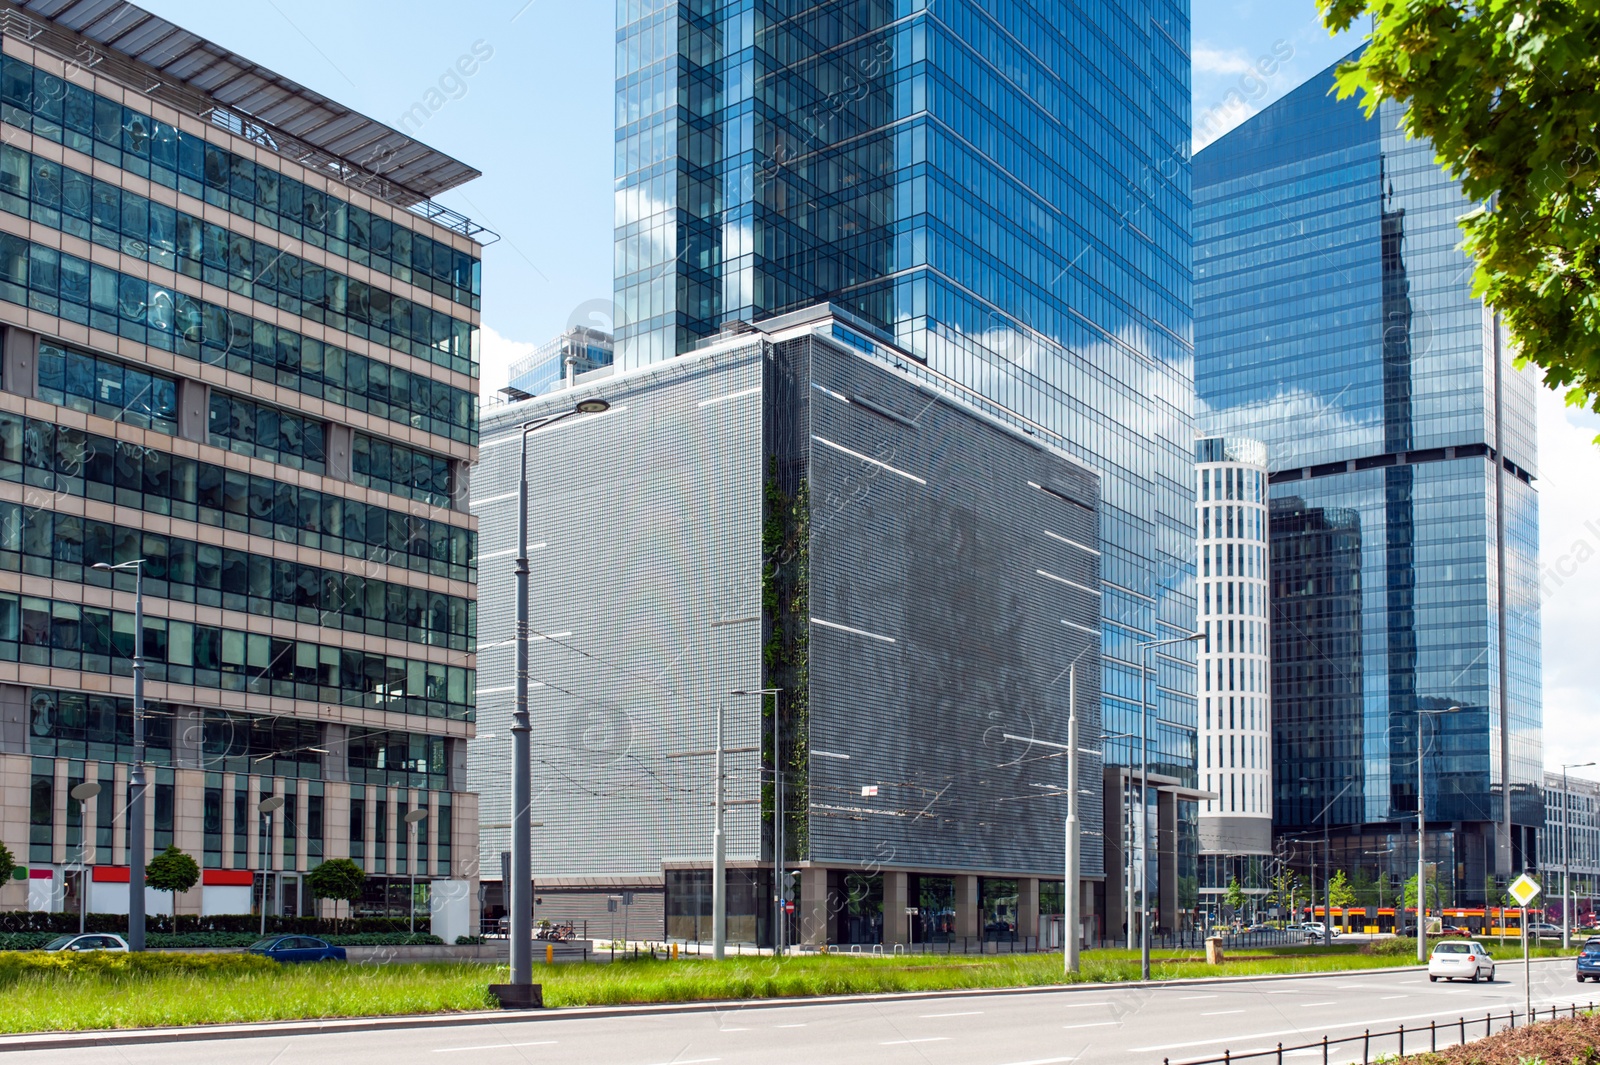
<point>249,428</point>
<point>107,387</point>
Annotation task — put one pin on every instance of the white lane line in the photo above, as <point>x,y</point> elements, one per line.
<point>688,1061</point>
<point>1195,998</point>
<point>1285,992</point>
<point>800,1025</point>
<point>924,1039</point>
<point>496,1046</point>
<point>1221,1013</point>
<point>1042,1061</point>
<point>968,1013</point>
<point>1390,998</point>
<point>1096,1024</point>
<point>733,1029</point>
<point>1308,1005</point>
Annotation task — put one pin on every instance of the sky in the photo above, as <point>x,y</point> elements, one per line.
<point>536,118</point>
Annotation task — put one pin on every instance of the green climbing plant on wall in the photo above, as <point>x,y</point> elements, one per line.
<point>785,586</point>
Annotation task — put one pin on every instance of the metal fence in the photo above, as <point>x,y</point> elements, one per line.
<point>1456,1033</point>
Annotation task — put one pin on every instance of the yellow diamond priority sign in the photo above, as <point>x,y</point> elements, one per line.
<point>1523,889</point>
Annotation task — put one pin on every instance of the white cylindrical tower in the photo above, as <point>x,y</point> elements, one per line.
<point>1235,691</point>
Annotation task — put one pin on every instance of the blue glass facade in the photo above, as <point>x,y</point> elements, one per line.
<point>1001,189</point>
<point>1335,322</point>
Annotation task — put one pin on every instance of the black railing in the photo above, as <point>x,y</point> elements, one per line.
<point>1455,1032</point>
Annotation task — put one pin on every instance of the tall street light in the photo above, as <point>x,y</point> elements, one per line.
<point>1422,841</point>
<point>777,818</point>
<point>136,778</point>
<point>1566,857</point>
<point>81,795</point>
<point>521,923</point>
<point>1144,790</point>
<point>269,806</point>
<point>1327,866</point>
<point>412,819</point>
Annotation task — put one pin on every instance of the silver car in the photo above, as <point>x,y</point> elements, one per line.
<point>90,941</point>
<point>1460,959</point>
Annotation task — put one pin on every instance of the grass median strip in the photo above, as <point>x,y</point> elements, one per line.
<point>53,992</point>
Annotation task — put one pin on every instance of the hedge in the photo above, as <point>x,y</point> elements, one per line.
<point>14,967</point>
<point>241,923</point>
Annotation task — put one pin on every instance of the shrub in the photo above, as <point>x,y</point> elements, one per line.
<point>57,923</point>
<point>107,966</point>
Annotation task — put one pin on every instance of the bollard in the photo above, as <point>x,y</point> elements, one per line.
<point>1402,1040</point>
<point>1463,1031</point>
<point>1280,1052</point>
<point>674,952</point>
<point>1433,1035</point>
<point>550,953</point>
<point>1324,1050</point>
<point>1366,1044</point>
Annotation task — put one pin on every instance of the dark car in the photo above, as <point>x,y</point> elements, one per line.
<point>1589,962</point>
<point>297,948</point>
<point>1456,930</point>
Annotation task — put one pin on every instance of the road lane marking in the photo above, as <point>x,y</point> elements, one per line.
<point>800,1025</point>
<point>1221,1013</point>
<point>1042,1061</point>
<point>1285,992</point>
<point>1095,1024</point>
<point>733,1029</point>
<point>1081,1005</point>
<point>1390,998</point>
<point>496,1046</point>
<point>1195,998</point>
<point>968,1013</point>
<point>1308,1005</point>
<point>924,1039</point>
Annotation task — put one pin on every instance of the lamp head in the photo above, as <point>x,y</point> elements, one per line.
<point>271,804</point>
<point>86,791</point>
<point>416,815</point>
<point>592,406</point>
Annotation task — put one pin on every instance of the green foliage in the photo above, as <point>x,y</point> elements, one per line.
<point>245,923</point>
<point>785,598</point>
<point>175,940</point>
<point>337,878</point>
<point>1235,897</point>
<point>1285,887</point>
<point>172,870</point>
<point>1505,90</point>
<point>119,967</point>
<point>1340,894</point>
<point>7,864</point>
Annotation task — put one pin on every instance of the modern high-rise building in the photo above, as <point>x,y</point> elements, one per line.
<point>1003,192</point>
<point>559,362</point>
<point>1235,668</point>
<point>240,351</point>
<point>1335,323</point>
<point>1569,843</point>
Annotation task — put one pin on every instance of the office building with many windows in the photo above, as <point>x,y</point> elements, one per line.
<point>1000,190</point>
<point>1335,323</point>
<point>1569,843</point>
<point>1235,668</point>
<point>239,349</point>
<point>558,362</point>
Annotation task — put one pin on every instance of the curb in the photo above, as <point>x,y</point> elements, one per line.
<point>334,1026</point>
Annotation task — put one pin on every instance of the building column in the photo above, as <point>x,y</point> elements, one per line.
<point>1027,907</point>
<point>19,353</point>
<point>895,893</point>
<point>966,907</point>
<point>814,911</point>
<point>1167,859</point>
<point>1116,860</point>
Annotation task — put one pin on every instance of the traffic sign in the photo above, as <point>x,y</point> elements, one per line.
<point>1524,889</point>
<point>788,907</point>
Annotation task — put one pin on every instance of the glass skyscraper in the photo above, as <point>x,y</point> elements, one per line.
<point>1335,322</point>
<point>1003,191</point>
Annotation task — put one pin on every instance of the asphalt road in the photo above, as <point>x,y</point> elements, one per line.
<point>1089,1026</point>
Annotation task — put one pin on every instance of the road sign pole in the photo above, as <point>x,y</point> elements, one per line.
<point>1525,889</point>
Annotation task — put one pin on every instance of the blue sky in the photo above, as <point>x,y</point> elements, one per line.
<point>536,119</point>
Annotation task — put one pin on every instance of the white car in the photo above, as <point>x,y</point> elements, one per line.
<point>1460,959</point>
<point>91,941</point>
<point>1317,930</point>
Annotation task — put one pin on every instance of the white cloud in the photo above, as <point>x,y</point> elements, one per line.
<point>1569,548</point>
<point>495,356</point>
<point>1222,62</point>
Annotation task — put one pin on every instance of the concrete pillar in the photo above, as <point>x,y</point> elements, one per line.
<point>1027,907</point>
<point>228,786</point>
<point>895,894</point>
<point>1167,857</point>
<point>813,907</point>
<point>967,907</point>
<point>1116,860</point>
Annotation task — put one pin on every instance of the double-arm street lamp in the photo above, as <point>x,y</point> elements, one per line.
<point>136,778</point>
<point>521,902</point>
<point>1144,791</point>
<point>1566,857</point>
<point>1422,825</point>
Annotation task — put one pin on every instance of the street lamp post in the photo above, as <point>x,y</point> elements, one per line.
<point>521,923</point>
<point>136,778</point>
<point>269,806</point>
<point>1566,857</point>
<point>1422,841</point>
<point>777,816</point>
<point>719,861</point>
<point>412,819</point>
<point>82,794</point>
<point>1327,867</point>
<point>1144,791</point>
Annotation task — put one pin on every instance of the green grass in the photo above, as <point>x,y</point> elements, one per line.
<point>46,993</point>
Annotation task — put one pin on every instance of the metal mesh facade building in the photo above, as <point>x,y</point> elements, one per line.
<point>789,509</point>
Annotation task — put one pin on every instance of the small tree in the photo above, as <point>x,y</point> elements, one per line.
<point>1235,897</point>
<point>8,865</point>
<point>172,871</point>
<point>1342,896</point>
<point>338,878</point>
<point>1385,889</point>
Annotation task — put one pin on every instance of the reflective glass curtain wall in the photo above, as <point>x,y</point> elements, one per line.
<point>1002,189</point>
<point>1335,322</point>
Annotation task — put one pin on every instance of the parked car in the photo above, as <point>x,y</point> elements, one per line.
<point>1544,931</point>
<point>1456,960</point>
<point>1455,930</point>
<point>297,948</point>
<point>1589,962</point>
<point>1316,930</point>
<point>91,941</point>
